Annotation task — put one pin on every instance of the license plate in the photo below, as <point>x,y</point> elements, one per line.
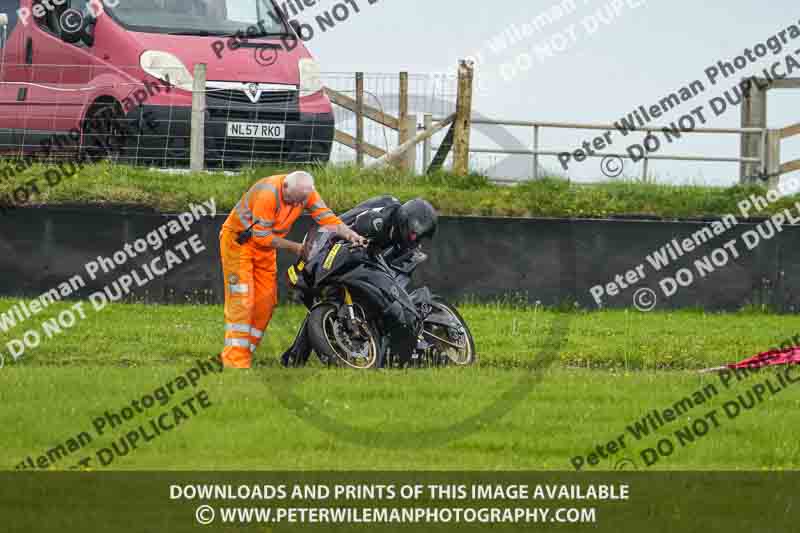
<point>256,130</point>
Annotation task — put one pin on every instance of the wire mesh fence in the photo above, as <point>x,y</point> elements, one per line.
<point>85,113</point>
<point>431,94</point>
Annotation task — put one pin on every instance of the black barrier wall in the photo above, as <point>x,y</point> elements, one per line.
<point>479,257</point>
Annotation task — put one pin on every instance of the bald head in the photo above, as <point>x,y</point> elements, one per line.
<point>297,186</point>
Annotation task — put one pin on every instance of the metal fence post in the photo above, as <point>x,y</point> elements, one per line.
<point>645,165</point>
<point>198,124</point>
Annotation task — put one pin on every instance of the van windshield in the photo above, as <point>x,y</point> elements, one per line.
<point>254,18</point>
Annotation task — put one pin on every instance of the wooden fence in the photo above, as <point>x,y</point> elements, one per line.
<point>410,134</point>
<point>405,123</point>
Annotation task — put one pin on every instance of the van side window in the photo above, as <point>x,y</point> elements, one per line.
<point>9,7</point>
<point>51,15</point>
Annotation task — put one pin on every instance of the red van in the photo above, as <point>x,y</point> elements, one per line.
<point>66,64</point>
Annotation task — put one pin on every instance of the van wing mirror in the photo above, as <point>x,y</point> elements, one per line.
<point>70,24</point>
<point>75,26</point>
<point>87,33</point>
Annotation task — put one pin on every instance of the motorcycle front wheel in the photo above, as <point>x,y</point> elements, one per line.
<point>336,343</point>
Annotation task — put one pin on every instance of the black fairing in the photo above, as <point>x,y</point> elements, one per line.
<point>364,273</point>
<point>379,286</point>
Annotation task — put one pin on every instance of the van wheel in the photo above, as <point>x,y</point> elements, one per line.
<point>103,132</point>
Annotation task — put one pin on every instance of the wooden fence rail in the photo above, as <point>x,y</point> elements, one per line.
<point>405,124</point>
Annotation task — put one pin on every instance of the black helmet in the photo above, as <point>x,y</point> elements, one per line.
<point>416,220</point>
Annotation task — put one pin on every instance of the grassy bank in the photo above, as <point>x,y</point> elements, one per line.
<point>345,186</point>
<point>497,415</point>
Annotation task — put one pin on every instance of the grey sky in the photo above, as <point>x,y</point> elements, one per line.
<point>642,55</point>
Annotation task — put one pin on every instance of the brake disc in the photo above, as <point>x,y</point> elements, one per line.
<point>358,349</point>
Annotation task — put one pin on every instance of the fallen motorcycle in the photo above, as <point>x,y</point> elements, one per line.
<point>361,314</point>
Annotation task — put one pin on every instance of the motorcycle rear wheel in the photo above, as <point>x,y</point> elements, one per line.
<point>464,354</point>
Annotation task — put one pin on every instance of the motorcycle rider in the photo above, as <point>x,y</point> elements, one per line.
<point>392,229</point>
<point>388,224</point>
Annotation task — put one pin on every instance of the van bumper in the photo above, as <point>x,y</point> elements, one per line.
<point>164,137</point>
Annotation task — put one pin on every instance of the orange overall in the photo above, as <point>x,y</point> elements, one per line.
<point>250,270</point>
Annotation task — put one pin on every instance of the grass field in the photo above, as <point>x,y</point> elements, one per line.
<point>610,369</point>
<point>345,186</point>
